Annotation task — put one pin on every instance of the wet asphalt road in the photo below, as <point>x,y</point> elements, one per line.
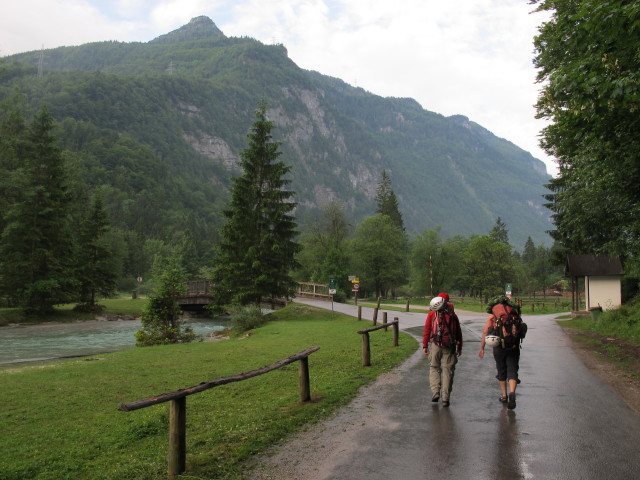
<point>567,423</point>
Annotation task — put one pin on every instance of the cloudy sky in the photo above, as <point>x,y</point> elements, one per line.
<point>469,57</point>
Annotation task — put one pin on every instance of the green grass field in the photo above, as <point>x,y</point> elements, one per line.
<point>65,313</point>
<point>60,419</point>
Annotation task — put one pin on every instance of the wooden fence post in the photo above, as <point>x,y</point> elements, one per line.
<point>359,312</point>
<point>407,308</point>
<point>384,320</point>
<point>366,350</point>
<point>177,436</point>
<point>303,380</point>
<point>396,332</point>
<point>375,316</point>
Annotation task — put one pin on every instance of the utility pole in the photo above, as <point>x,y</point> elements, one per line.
<point>430,276</point>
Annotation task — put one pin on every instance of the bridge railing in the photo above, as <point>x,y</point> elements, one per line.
<point>313,290</point>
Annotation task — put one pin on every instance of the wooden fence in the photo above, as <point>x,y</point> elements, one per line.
<point>178,408</point>
<point>366,344</point>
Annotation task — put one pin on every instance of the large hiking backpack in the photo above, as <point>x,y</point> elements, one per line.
<point>509,325</point>
<point>441,328</point>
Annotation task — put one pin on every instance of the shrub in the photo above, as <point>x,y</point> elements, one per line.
<point>248,317</point>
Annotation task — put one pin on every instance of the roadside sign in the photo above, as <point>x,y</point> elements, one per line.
<point>356,287</point>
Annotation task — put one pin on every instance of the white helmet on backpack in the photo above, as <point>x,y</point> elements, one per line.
<point>436,303</point>
<point>492,340</point>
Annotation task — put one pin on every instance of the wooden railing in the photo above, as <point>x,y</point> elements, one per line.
<point>366,344</point>
<point>313,290</point>
<point>178,408</point>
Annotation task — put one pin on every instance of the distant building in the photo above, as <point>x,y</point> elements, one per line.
<point>602,281</point>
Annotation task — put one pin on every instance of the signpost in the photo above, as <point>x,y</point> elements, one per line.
<point>332,290</point>
<point>508,290</point>
<point>355,286</point>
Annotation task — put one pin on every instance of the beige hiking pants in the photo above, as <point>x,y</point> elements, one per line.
<point>442,367</point>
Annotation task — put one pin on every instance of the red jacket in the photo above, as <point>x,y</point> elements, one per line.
<point>452,326</point>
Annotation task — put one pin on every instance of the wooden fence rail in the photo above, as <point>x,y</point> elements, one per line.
<point>366,344</point>
<point>178,408</point>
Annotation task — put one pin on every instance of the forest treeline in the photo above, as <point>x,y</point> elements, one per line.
<point>59,244</point>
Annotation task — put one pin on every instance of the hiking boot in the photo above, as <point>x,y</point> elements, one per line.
<point>502,399</point>
<point>511,403</point>
<point>435,398</point>
<point>445,403</point>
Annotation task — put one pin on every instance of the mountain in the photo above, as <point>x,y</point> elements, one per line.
<point>159,127</point>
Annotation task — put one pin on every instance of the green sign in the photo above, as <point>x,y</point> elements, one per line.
<point>507,288</point>
<point>332,283</point>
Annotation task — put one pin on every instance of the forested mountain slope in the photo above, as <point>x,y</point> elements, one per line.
<point>158,127</point>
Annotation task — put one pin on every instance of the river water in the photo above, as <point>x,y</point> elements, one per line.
<point>29,343</point>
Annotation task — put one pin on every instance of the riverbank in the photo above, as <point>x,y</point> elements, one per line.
<point>64,421</point>
<point>114,309</point>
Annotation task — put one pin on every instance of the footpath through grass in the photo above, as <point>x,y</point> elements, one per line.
<point>60,419</point>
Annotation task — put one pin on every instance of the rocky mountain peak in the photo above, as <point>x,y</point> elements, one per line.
<point>197,29</point>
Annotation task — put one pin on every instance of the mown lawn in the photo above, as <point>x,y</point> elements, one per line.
<point>60,419</point>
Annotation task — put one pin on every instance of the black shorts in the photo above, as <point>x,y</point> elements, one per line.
<point>507,363</point>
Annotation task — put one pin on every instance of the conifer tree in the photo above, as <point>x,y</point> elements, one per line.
<point>36,251</point>
<point>97,270</point>
<point>386,201</point>
<point>257,251</point>
<point>161,322</point>
<point>499,231</point>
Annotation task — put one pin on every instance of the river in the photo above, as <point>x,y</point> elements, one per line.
<point>29,343</point>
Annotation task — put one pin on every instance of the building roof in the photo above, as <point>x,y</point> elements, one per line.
<point>592,265</point>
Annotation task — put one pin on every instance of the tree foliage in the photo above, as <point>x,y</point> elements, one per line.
<point>379,250</point>
<point>161,322</point>
<point>257,251</point>
<point>488,265</point>
<point>499,232</point>
<point>386,201</point>
<point>324,249</point>
<point>37,247</point>
<point>97,267</point>
<point>588,56</point>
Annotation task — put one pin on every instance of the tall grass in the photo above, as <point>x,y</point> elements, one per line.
<point>60,419</point>
<point>621,323</point>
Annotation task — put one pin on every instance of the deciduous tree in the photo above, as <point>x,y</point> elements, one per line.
<point>379,251</point>
<point>588,61</point>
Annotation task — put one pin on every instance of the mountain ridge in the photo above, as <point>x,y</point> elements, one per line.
<point>448,172</point>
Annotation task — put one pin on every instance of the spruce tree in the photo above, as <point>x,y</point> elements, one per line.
<point>499,231</point>
<point>257,250</point>
<point>386,201</point>
<point>36,251</point>
<point>97,269</point>
<point>161,323</point>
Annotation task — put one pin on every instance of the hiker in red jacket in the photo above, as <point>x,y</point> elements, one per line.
<point>442,342</point>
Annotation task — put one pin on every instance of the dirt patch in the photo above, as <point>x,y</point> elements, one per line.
<point>615,362</point>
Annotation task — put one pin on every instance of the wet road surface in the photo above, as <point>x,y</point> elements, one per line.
<point>567,423</point>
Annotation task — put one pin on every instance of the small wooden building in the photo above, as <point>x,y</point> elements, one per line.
<point>602,281</point>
